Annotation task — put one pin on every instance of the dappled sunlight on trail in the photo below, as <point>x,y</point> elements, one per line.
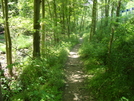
<point>75,78</point>
<point>73,55</point>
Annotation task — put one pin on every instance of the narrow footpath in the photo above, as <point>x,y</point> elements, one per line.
<point>75,78</point>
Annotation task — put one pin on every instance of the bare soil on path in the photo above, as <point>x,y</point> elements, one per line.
<point>75,78</point>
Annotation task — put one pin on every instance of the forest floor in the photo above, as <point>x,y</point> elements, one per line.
<point>75,78</point>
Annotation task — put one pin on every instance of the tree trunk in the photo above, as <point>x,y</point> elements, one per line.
<point>107,2</point>
<point>36,26</point>
<point>68,19</point>
<point>93,24</point>
<point>7,36</point>
<point>56,35</point>
<point>110,68</point>
<point>43,27</point>
<point>118,11</point>
<point>63,18</point>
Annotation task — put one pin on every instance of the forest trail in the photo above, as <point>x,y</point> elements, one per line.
<point>75,78</point>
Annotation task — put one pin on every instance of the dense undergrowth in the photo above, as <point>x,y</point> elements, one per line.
<point>40,79</point>
<point>112,73</point>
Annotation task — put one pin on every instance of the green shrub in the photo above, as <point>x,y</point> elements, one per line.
<point>42,79</point>
<point>115,85</point>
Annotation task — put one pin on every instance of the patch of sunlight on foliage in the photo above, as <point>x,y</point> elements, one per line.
<point>58,53</point>
<point>95,70</point>
<point>2,47</point>
<point>124,99</point>
<point>22,22</point>
<point>95,51</point>
<point>1,20</point>
<point>22,41</point>
<point>40,82</point>
<point>43,80</point>
<point>73,40</point>
<point>85,36</point>
<point>21,25</point>
<point>25,9</point>
<point>130,4</point>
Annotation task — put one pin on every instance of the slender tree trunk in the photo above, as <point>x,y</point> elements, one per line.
<point>43,27</point>
<point>7,36</point>
<point>82,26</point>
<point>1,98</point>
<point>56,35</point>
<point>63,18</point>
<point>3,8</point>
<point>93,24</point>
<point>69,18</point>
<point>36,26</point>
<point>118,10</point>
<point>112,10</point>
<point>110,68</point>
<point>101,30</point>
<point>107,2</point>
<point>112,13</point>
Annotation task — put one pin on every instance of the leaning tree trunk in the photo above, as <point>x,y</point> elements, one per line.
<point>7,36</point>
<point>36,25</point>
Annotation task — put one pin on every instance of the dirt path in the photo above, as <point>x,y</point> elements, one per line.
<point>75,88</point>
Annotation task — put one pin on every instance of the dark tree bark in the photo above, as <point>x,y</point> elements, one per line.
<point>63,18</point>
<point>43,27</point>
<point>118,11</point>
<point>36,25</point>
<point>107,2</point>
<point>94,15</point>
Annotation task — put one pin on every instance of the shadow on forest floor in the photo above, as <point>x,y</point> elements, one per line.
<point>75,78</point>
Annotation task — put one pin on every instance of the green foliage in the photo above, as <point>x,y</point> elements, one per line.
<point>1,20</point>
<point>94,50</point>
<point>21,31</point>
<point>25,8</point>
<point>106,84</point>
<point>20,26</point>
<point>22,42</point>
<point>13,10</point>
<point>2,47</point>
<point>41,79</point>
<point>40,82</point>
